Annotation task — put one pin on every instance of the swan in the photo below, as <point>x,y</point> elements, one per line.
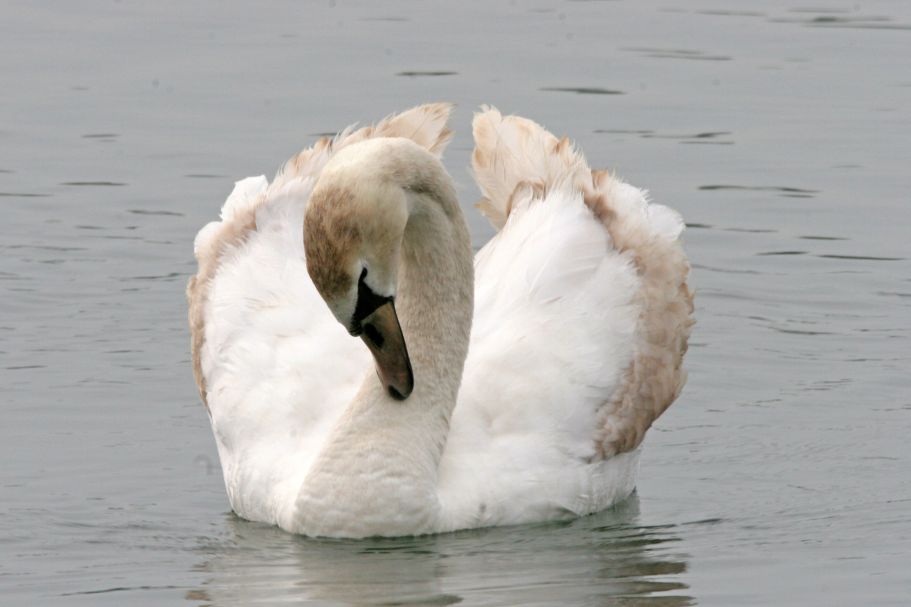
<point>508,388</point>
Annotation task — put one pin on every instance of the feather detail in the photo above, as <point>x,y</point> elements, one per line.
<point>649,234</point>
<point>513,154</point>
<point>424,124</point>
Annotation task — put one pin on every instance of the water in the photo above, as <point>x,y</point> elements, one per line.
<point>780,130</point>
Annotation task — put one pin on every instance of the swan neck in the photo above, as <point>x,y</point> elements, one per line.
<point>434,299</point>
<point>378,471</point>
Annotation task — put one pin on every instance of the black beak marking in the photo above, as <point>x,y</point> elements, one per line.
<point>371,333</point>
<point>376,322</point>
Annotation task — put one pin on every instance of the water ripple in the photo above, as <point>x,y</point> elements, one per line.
<point>861,257</point>
<point>147,212</point>
<point>425,73</point>
<point>758,188</point>
<point>582,90</point>
<point>702,137</point>
<point>22,195</point>
<point>120,589</point>
<point>674,53</point>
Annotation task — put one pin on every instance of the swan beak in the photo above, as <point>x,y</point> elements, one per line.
<point>383,335</point>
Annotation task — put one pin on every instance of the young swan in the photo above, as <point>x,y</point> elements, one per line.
<point>389,251</point>
<point>578,317</point>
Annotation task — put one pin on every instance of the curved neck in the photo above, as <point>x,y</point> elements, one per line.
<point>435,296</point>
<point>434,301</point>
<point>378,471</point>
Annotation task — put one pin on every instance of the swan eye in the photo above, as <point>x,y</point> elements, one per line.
<point>367,303</point>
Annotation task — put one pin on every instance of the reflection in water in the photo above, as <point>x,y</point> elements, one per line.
<point>602,559</point>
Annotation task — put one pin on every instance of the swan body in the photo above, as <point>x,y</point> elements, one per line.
<point>537,367</point>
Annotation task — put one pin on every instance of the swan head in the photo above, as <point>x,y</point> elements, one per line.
<point>353,229</point>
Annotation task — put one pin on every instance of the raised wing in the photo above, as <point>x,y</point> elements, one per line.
<point>583,291</point>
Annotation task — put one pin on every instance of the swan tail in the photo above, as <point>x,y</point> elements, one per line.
<point>513,155</point>
<point>255,204</point>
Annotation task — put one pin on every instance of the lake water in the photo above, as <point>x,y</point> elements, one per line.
<point>782,475</point>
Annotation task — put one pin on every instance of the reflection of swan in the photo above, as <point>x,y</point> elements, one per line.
<point>581,314</point>
<point>609,558</point>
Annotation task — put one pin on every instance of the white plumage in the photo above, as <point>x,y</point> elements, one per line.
<point>581,315</point>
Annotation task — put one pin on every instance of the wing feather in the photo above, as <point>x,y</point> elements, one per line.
<point>584,237</point>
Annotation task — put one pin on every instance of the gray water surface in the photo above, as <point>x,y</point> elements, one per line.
<point>780,130</point>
